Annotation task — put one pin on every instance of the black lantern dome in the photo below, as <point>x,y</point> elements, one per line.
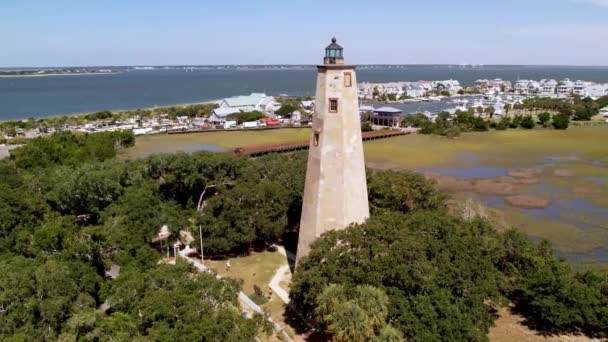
<point>334,50</point>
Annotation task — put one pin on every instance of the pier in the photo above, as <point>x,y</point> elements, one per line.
<point>254,151</point>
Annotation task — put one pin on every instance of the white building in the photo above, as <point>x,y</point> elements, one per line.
<point>219,115</point>
<point>549,87</point>
<point>452,86</point>
<point>257,101</point>
<point>415,90</point>
<point>566,87</point>
<point>595,91</point>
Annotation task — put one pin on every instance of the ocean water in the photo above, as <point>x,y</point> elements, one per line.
<point>24,97</point>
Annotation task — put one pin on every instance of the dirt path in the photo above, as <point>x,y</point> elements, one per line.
<point>509,327</point>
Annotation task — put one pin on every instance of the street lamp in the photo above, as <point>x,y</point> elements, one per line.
<point>200,231</point>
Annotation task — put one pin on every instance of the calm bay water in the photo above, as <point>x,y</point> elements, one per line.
<point>23,97</point>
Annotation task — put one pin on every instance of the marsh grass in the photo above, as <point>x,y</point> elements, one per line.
<point>564,237</point>
<point>170,143</point>
<point>516,147</point>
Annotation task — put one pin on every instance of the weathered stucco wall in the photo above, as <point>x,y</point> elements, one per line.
<point>335,193</point>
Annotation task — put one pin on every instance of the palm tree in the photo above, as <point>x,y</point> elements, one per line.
<point>329,300</point>
<point>490,111</point>
<point>507,108</point>
<point>375,304</point>
<point>349,323</point>
<point>388,334</point>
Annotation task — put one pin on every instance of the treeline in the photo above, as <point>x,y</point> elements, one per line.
<point>67,148</point>
<point>580,109</point>
<point>67,221</point>
<point>413,270</point>
<point>246,116</point>
<point>549,112</point>
<point>450,125</point>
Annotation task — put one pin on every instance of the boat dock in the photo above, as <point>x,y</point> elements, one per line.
<point>254,151</point>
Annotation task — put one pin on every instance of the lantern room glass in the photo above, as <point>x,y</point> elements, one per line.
<point>333,53</point>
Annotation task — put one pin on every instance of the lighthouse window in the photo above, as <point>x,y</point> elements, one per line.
<point>333,105</point>
<point>348,81</point>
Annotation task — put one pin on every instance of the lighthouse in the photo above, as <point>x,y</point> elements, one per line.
<point>335,192</point>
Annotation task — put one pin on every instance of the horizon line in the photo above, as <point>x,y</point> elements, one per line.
<point>300,65</point>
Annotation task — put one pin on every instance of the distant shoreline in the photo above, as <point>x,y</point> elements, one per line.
<point>113,111</point>
<point>61,74</point>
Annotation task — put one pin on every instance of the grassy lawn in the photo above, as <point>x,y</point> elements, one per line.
<point>255,269</point>
<point>258,269</point>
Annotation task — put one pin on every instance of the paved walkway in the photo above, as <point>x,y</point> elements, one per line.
<point>242,296</point>
<point>276,281</point>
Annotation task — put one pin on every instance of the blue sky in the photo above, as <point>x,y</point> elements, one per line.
<point>155,32</point>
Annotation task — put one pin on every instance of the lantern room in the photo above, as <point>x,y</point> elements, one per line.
<point>333,53</point>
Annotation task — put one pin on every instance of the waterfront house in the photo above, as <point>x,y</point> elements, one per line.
<point>452,86</point>
<point>308,105</point>
<point>579,87</point>
<point>549,87</point>
<point>566,87</point>
<point>257,101</point>
<point>218,116</point>
<point>387,116</point>
<point>595,91</point>
<point>415,90</point>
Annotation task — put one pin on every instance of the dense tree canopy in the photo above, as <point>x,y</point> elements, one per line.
<point>444,276</point>
<point>413,270</point>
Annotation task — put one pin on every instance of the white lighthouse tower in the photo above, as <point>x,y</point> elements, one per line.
<point>335,193</point>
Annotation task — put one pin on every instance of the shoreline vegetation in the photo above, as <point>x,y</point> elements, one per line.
<point>55,72</point>
<point>60,74</point>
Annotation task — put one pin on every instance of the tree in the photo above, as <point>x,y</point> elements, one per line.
<point>442,269</point>
<point>286,110</point>
<point>480,110</point>
<point>415,120</point>
<point>527,122</point>
<point>246,116</point>
<point>246,214</point>
<point>561,121</point>
<point>354,314</point>
<point>479,124</point>
<point>402,191</point>
<point>375,92</point>
<point>507,108</point>
<point>504,123</point>
<point>170,300</point>
<point>584,109</point>
<point>490,111</point>
<point>349,324</point>
<point>388,334</point>
<point>544,118</point>
<point>515,121</point>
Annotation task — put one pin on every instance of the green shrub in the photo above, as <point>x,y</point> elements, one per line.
<point>561,121</point>
<point>527,122</point>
